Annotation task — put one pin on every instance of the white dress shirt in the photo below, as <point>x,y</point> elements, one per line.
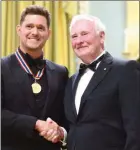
<point>83,83</point>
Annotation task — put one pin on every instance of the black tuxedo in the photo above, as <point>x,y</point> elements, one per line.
<point>109,114</point>
<point>19,106</point>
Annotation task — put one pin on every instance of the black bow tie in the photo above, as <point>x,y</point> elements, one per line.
<point>39,63</point>
<point>91,66</point>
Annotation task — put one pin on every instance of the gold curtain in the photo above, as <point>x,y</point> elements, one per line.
<point>58,48</point>
<point>132,30</point>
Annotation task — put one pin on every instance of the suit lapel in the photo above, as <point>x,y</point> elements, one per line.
<point>99,75</point>
<point>21,77</point>
<point>76,79</point>
<point>52,85</point>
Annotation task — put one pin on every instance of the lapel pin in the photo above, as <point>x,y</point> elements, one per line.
<point>104,68</point>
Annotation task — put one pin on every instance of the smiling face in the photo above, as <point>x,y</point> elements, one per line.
<point>86,42</point>
<point>33,33</point>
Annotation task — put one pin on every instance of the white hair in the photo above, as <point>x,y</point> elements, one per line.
<point>98,25</point>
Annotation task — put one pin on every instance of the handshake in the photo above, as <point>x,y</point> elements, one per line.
<point>50,130</point>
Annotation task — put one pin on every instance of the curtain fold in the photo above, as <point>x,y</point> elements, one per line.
<point>58,48</point>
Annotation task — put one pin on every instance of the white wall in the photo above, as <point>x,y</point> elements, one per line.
<point>112,14</point>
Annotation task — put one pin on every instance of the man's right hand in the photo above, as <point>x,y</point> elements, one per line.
<point>50,130</point>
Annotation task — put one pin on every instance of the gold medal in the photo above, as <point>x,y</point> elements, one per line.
<point>36,88</point>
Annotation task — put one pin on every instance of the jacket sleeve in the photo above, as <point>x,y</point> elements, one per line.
<point>129,94</point>
<point>14,123</point>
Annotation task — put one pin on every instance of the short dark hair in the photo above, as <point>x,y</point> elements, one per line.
<point>36,10</point>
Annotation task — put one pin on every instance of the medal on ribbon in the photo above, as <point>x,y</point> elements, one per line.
<point>36,87</point>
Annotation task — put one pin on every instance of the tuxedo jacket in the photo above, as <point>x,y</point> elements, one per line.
<point>18,105</point>
<point>109,113</point>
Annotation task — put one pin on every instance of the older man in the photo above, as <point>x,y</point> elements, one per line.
<point>102,100</point>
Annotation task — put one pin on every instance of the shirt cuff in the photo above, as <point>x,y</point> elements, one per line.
<point>65,134</point>
<point>63,141</point>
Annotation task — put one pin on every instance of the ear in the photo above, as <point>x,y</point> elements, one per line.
<point>102,36</point>
<point>18,29</point>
